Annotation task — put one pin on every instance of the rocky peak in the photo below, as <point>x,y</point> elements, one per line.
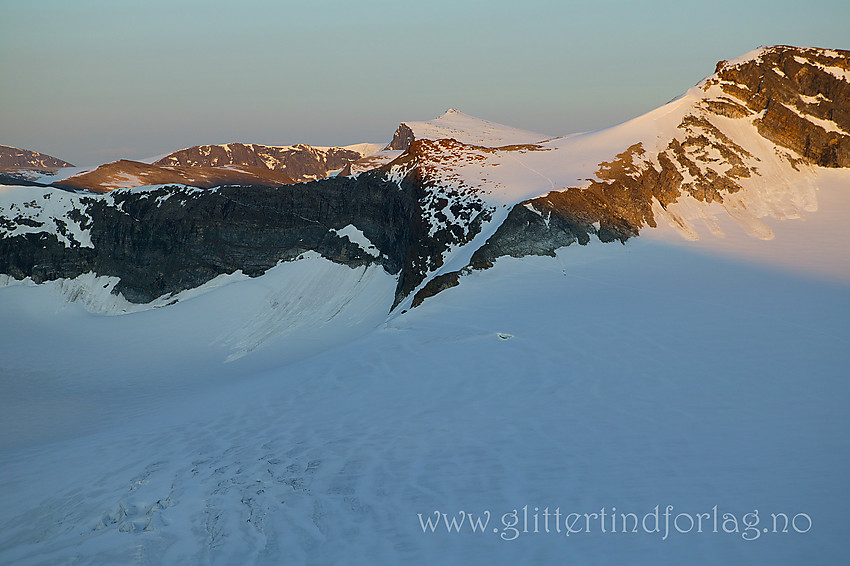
<point>797,96</point>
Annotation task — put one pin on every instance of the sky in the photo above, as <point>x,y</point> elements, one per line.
<point>94,81</point>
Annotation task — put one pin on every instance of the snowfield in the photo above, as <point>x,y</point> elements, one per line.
<point>610,376</point>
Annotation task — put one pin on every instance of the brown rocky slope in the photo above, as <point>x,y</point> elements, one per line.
<point>125,173</point>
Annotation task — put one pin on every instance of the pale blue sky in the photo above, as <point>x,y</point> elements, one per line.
<point>92,81</point>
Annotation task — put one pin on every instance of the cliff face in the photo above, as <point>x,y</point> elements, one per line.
<point>168,239</point>
<point>443,207</point>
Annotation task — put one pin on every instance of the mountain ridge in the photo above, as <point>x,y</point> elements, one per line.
<point>743,141</point>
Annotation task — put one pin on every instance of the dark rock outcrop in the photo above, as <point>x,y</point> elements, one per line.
<point>402,138</point>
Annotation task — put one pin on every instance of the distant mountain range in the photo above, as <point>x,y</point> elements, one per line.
<point>451,195</point>
<point>207,166</point>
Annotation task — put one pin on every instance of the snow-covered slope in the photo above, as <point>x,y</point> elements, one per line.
<point>293,311</point>
<point>464,128</point>
<point>42,211</point>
